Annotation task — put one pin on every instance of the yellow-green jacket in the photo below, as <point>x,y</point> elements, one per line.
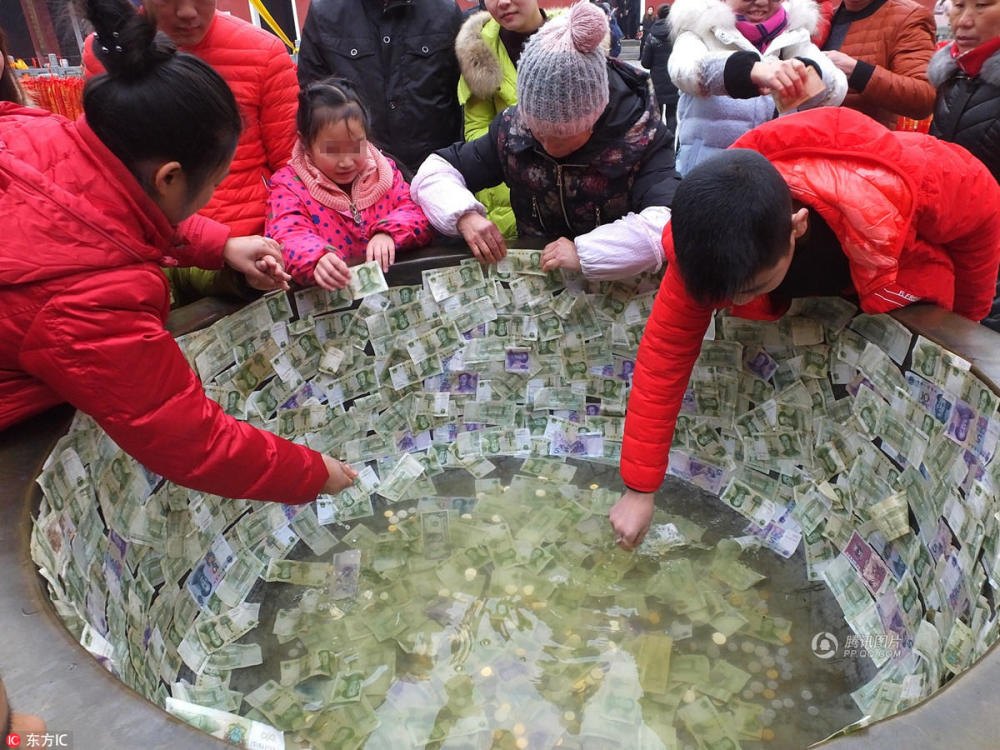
<point>487,87</point>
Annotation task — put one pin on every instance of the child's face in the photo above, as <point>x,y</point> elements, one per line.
<point>767,280</point>
<point>755,11</point>
<point>340,151</point>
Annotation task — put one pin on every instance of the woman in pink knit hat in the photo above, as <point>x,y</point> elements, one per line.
<point>586,156</point>
<point>339,201</point>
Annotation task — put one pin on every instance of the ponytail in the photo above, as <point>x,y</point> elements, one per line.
<point>155,103</point>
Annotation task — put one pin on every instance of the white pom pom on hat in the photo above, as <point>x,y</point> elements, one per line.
<point>562,77</point>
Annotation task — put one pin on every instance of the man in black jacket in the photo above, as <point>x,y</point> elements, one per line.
<point>400,54</point>
<point>655,55</point>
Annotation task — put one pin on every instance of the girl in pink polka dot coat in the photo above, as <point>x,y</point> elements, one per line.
<point>339,202</point>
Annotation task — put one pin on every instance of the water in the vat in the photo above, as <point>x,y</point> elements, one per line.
<point>528,627</point>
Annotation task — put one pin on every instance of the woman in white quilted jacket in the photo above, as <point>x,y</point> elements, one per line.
<point>729,57</point>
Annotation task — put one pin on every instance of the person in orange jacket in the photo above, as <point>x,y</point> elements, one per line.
<point>826,202</point>
<point>259,70</point>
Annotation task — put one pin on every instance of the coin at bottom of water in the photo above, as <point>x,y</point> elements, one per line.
<point>767,735</point>
<point>486,671</point>
<point>689,696</point>
<point>719,638</point>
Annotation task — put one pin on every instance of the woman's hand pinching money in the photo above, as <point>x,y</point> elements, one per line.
<point>341,476</point>
<point>630,518</point>
<point>560,254</point>
<point>483,237</point>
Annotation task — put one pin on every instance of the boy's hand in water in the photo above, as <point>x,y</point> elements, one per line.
<point>560,254</point>
<point>382,248</point>
<point>341,476</point>
<point>630,518</point>
<point>259,260</point>
<point>483,237</point>
<point>331,272</point>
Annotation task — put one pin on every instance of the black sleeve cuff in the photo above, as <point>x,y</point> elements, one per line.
<point>813,64</point>
<point>863,73</point>
<point>736,76</point>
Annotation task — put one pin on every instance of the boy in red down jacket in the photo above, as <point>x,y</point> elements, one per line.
<point>822,202</point>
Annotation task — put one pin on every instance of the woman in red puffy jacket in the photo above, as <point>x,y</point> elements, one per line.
<point>92,211</point>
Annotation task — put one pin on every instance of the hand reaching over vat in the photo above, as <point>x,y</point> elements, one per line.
<point>560,254</point>
<point>630,518</point>
<point>341,476</point>
<point>331,272</point>
<point>259,260</point>
<point>483,237</point>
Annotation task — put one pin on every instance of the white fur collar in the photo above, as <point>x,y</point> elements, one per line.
<point>702,17</point>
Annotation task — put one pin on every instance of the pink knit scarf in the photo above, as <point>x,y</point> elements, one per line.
<point>368,187</point>
<point>760,35</point>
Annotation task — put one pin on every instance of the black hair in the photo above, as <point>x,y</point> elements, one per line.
<point>155,103</point>
<point>10,90</point>
<point>663,11</point>
<point>327,102</point>
<point>731,219</point>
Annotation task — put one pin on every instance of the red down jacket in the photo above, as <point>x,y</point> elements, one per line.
<point>260,72</point>
<point>917,218</point>
<point>82,310</point>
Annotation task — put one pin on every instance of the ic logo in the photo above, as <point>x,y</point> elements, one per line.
<point>825,645</point>
<point>13,740</point>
